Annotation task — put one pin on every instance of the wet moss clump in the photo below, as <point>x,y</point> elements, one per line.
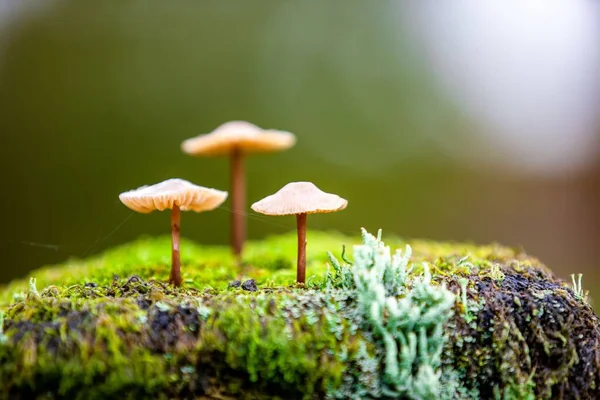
<point>432,321</point>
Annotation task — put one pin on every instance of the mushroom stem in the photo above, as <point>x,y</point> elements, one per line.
<point>301,267</point>
<point>175,277</point>
<point>238,203</point>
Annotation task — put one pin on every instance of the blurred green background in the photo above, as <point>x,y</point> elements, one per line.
<point>96,97</point>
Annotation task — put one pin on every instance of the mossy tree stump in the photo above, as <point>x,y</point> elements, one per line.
<point>487,322</point>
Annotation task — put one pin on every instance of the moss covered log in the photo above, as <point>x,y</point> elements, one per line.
<point>434,320</point>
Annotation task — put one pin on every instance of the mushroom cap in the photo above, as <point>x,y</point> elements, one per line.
<point>240,135</point>
<point>170,193</point>
<point>299,198</point>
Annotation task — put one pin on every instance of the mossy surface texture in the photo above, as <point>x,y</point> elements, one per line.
<point>432,321</point>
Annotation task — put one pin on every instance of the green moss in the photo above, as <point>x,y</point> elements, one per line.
<point>271,261</point>
<point>109,327</point>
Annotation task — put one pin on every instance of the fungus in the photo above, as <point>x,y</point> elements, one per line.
<point>177,195</point>
<point>300,199</point>
<point>235,139</point>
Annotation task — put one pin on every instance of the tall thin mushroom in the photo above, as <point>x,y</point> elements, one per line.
<point>177,195</point>
<point>235,139</point>
<point>300,199</point>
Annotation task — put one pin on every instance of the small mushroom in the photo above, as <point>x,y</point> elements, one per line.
<point>235,139</point>
<point>300,199</point>
<point>176,195</point>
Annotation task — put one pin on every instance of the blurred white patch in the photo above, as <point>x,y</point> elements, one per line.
<point>8,8</point>
<point>528,73</point>
<point>11,11</point>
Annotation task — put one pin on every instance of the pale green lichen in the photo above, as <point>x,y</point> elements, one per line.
<point>578,287</point>
<point>33,287</point>
<point>468,309</point>
<point>406,315</point>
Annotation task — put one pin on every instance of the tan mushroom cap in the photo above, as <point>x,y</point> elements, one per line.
<point>173,192</point>
<point>299,198</point>
<point>240,135</point>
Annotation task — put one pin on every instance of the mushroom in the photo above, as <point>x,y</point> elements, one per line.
<point>235,139</point>
<point>177,195</point>
<point>300,199</point>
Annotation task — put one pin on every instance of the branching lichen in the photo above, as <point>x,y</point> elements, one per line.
<point>33,287</point>
<point>405,314</point>
<point>578,287</point>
